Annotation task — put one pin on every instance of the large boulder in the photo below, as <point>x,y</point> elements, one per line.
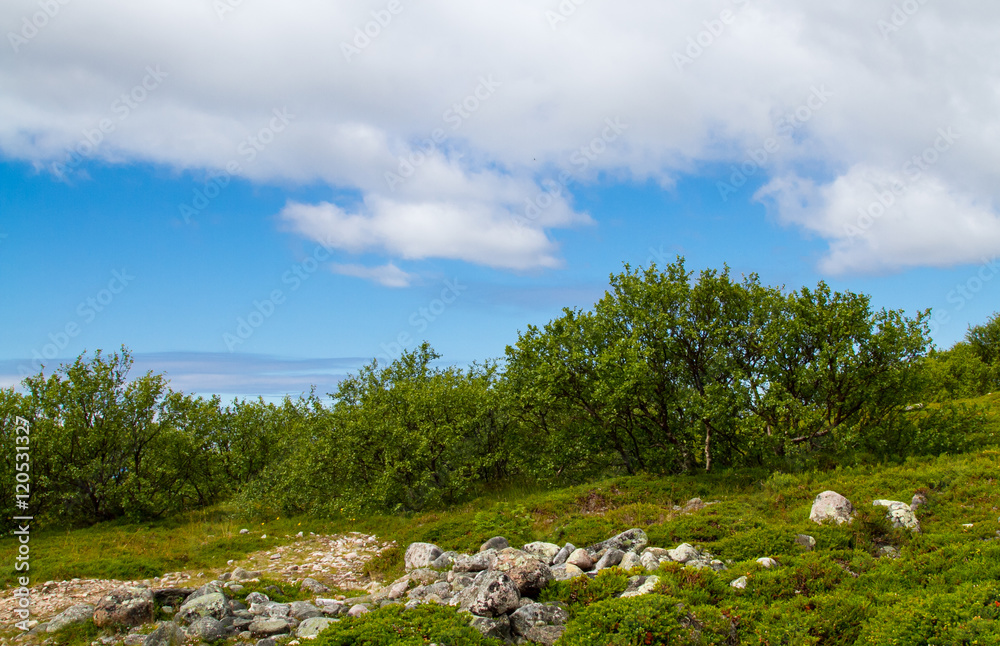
<point>581,559</point>
<point>528,573</point>
<point>420,555</point>
<point>475,562</point>
<point>77,614</point>
<point>312,627</point>
<point>534,622</point>
<point>491,595</point>
<point>303,610</point>
<point>683,553</point>
<point>207,629</point>
<point>125,607</point>
<point>899,514</point>
<point>166,634</point>
<point>611,558</point>
<point>492,627</point>
<point>209,605</point>
<point>831,506</point>
<point>632,540</point>
<point>264,627</point>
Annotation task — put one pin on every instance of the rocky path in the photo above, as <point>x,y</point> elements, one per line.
<point>335,560</point>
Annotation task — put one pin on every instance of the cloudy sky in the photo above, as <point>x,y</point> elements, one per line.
<point>257,196</point>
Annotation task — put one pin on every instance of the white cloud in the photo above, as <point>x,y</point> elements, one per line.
<point>891,92</point>
<point>387,275</point>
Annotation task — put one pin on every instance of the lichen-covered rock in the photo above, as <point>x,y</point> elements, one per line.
<point>899,514</point>
<point>207,629</point>
<point>566,571</point>
<point>420,555</point>
<point>491,595</point>
<point>424,576</point>
<point>649,561</point>
<point>525,619</point>
<point>528,573</point>
<point>262,627</point>
<point>641,585</point>
<point>77,614</point>
<point>444,562</point>
<point>125,607</point>
<point>563,554</point>
<point>740,583</point>
<point>806,541</point>
<point>303,610</point>
<point>476,562</point>
<point>629,561</point>
<point>632,540</point>
<point>312,627</point>
<point>545,552</point>
<point>830,505</point>
<point>492,627</point>
<point>683,553</point>
<point>166,634</point>
<point>209,605</point>
<point>767,562</point>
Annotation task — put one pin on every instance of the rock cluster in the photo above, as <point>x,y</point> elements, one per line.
<point>498,585</point>
<point>831,506</point>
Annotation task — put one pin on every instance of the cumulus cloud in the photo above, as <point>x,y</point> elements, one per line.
<point>454,120</point>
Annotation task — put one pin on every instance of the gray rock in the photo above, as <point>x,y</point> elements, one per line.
<point>357,610</point>
<point>806,541</point>
<point>639,586</point>
<point>134,639</point>
<point>491,595</point>
<point>209,605</point>
<point>899,514</point>
<point>476,562</point>
<point>740,583</point>
<point>581,559</point>
<point>262,627</point>
<point>207,629</point>
<point>166,634</point>
<point>224,576</point>
<point>544,552</point>
<point>611,558</point>
<point>313,626</point>
<point>633,540</point>
<point>171,596</point>
<point>918,501</point>
<point>683,553</point>
<point>420,555</point>
<point>536,615</point>
<point>496,543</point>
<point>257,597</point>
<point>888,551</point>
<point>545,635</point>
<point>77,614</point>
<point>831,506</point>
<point>267,641</point>
<point>313,586</point>
<point>425,576</point>
<point>398,588</point>
<point>528,573</point>
<point>235,588</point>
<point>303,610</point>
<point>629,561</point>
<point>767,562</point>
<point>239,574</point>
<point>444,562</point>
<point>213,587</point>
<point>649,561</point>
<point>492,628</point>
<point>563,554</point>
<point>125,607</point>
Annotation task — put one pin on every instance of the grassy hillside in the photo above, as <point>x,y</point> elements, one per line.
<point>945,583</point>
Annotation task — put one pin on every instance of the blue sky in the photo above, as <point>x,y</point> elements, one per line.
<point>254,206</point>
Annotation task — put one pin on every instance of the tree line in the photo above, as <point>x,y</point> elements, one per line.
<point>670,372</point>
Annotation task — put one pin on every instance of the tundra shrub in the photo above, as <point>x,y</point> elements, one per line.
<point>397,626</point>
<point>651,619</point>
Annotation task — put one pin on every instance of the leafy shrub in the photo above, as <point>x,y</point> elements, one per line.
<point>396,626</point>
<point>970,615</point>
<point>753,544</point>
<point>651,619</point>
<point>280,591</point>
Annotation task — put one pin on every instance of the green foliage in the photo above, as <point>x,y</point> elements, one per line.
<point>584,590</point>
<point>970,615</point>
<point>513,522</point>
<point>395,626</point>
<point>280,591</point>
<point>82,634</point>
<point>652,619</point>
